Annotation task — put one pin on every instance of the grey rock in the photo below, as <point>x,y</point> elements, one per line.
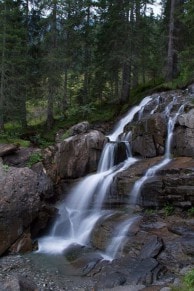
<point>151,248</point>
<point>20,201</point>
<point>18,283</point>
<point>81,127</point>
<point>7,149</point>
<point>111,280</point>
<point>80,154</point>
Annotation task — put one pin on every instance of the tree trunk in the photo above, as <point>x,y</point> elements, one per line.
<point>170,68</point>
<point>2,97</point>
<point>51,79</point>
<point>50,118</point>
<point>125,89</point>
<point>64,105</point>
<point>87,58</point>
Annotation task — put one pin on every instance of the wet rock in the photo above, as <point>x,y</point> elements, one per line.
<point>173,256</point>
<point>23,245</point>
<point>187,243</point>
<point>74,251</point>
<point>148,135</point>
<point>173,184</point>
<point>151,248</point>
<point>18,283</point>
<point>131,271</point>
<point>80,154</point>
<point>111,280</point>
<point>127,288</point>
<point>144,272</point>
<point>120,153</point>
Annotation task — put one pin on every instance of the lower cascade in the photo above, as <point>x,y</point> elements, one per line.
<point>84,207</point>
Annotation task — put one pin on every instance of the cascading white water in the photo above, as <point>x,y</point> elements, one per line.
<point>134,194</point>
<point>157,104</point>
<point>128,118</point>
<point>117,241</point>
<point>121,230</point>
<point>81,210</point>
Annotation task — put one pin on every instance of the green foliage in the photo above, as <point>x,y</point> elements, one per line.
<point>5,167</point>
<point>168,209</point>
<point>12,137</point>
<point>66,135</point>
<point>150,211</point>
<point>191,211</point>
<point>34,158</point>
<point>186,284</point>
<point>189,280</point>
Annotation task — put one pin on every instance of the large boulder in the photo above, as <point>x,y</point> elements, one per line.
<point>7,149</point>
<point>79,154</point>
<point>21,193</point>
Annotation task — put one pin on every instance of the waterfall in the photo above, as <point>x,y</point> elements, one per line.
<point>134,194</point>
<point>80,211</point>
<point>128,118</point>
<point>157,104</point>
<point>83,207</point>
<point>117,241</point>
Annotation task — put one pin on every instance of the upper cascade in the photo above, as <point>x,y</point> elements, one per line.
<point>128,118</point>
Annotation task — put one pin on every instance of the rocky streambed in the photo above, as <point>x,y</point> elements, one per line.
<point>158,252</point>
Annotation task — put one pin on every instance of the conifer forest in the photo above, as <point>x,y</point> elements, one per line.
<point>62,59</point>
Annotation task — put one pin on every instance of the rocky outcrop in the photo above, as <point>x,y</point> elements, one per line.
<point>22,192</point>
<point>155,249</point>
<point>6,149</point>
<point>80,154</point>
<point>173,184</point>
<point>149,133</point>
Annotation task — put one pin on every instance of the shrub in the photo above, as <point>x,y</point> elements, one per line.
<point>189,280</point>
<point>34,158</point>
<point>191,211</point>
<point>5,167</point>
<point>168,209</point>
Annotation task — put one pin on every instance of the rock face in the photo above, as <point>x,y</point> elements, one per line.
<point>173,184</point>
<point>148,136</point>
<point>21,193</point>
<point>149,133</point>
<point>80,154</point>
